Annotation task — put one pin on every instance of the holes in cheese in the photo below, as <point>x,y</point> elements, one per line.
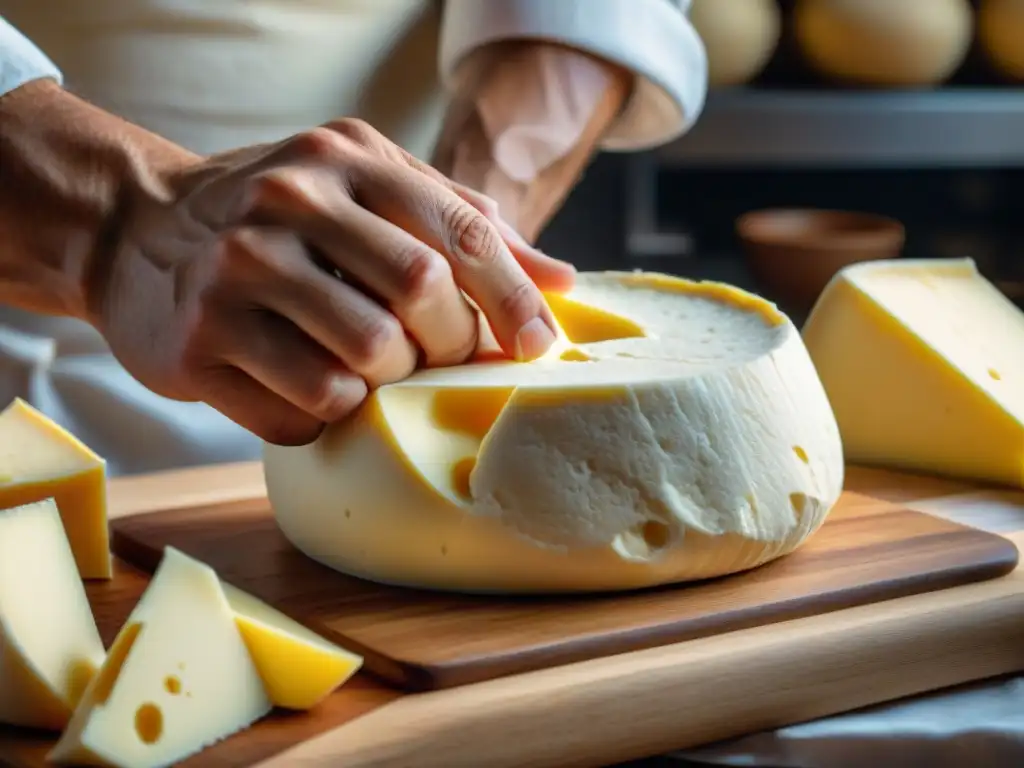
<point>670,454</point>
<point>40,460</point>
<point>49,645</point>
<point>298,667</point>
<point>923,363</point>
<point>128,717</point>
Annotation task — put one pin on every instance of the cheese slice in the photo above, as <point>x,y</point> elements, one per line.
<point>177,678</point>
<point>923,362</point>
<point>679,433</point>
<point>299,668</point>
<point>40,460</point>
<point>49,645</point>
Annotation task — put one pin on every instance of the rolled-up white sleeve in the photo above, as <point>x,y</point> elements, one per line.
<point>21,61</point>
<point>652,38</point>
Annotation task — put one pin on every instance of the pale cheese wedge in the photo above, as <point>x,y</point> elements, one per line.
<point>177,678</point>
<point>40,460</point>
<point>923,362</point>
<point>299,668</point>
<point>687,436</point>
<point>49,645</point>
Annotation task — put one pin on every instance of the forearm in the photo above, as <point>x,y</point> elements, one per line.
<point>66,169</point>
<point>539,87</point>
<point>503,71</point>
<point>545,194</point>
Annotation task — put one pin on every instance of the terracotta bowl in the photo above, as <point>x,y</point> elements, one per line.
<point>793,252</point>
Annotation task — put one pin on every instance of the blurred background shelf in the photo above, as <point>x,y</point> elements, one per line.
<point>955,127</point>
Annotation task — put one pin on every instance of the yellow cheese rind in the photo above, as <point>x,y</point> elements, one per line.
<point>299,668</point>
<point>699,446</point>
<point>49,645</point>
<point>177,679</point>
<point>40,460</point>
<point>923,363</point>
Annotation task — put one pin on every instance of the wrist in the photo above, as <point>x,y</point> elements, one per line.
<point>72,173</point>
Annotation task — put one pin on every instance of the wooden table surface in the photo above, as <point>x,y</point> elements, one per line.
<point>655,701</point>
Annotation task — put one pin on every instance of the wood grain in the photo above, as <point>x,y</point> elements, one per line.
<point>867,551</point>
<point>632,705</point>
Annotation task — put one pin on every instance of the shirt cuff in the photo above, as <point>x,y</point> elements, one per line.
<point>651,38</point>
<point>21,62</point>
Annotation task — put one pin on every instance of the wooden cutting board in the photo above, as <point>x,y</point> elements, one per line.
<point>647,702</point>
<point>867,551</point>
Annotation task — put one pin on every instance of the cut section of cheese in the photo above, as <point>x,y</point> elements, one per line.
<point>299,668</point>
<point>49,645</point>
<point>177,678</point>
<point>40,460</point>
<point>923,362</point>
<point>686,438</point>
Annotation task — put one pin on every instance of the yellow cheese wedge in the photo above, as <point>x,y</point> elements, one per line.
<point>39,460</point>
<point>681,433</point>
<point>49,645</point>
<point>923,362</point>
<point>299,668</point>
<point>177,678</point>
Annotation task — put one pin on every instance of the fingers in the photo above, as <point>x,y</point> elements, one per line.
<point>548,273</point>
<point>274,268</point>
<point>252,406</point>
<point>411,279</point>
<point>481,261</point>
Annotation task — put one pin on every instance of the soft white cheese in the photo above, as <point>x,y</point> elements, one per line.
<point>679,432</point>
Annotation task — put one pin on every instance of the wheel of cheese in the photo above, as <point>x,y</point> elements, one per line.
<point>740,37</point>
<point>678,431</point>
<point>1001,34</point>
<point>902,43</point>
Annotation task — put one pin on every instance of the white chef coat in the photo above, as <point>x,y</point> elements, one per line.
<point>217,74</point>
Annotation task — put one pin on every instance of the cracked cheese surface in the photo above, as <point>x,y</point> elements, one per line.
<point>677,431</point>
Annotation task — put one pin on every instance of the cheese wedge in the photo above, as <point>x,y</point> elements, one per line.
<point>686,436</point>
<point>177,678</point>
<point>299,668</point>
<point>923,362</point>
<point>40,460</point>
<point>49,645</point>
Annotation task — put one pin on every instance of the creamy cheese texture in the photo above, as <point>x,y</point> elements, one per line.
<point>177,678</point>
<point>49,645</point>
<point>923,362</point>
<point>40,460</point>
<point>678,431</point>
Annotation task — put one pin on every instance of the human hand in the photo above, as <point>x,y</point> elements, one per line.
<point>227,289</point>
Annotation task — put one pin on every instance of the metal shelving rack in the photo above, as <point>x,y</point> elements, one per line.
<point>957,127</point>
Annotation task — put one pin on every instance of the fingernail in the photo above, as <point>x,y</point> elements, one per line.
<point>533,340</point>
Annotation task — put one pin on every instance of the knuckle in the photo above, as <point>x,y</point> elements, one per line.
<point>339,396</point>
<point>269,189</point>
<point>356,130</point>
<point>376,341</point>
<point>472,239</point>
<point>521,303</point>
<point>424,277</point>
<point>318,143</point>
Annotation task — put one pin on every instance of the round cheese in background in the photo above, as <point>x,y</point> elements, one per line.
<point>1001,34</point>
<point>898,43</point>
<point>740,37</point>
<point>678,431</point>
